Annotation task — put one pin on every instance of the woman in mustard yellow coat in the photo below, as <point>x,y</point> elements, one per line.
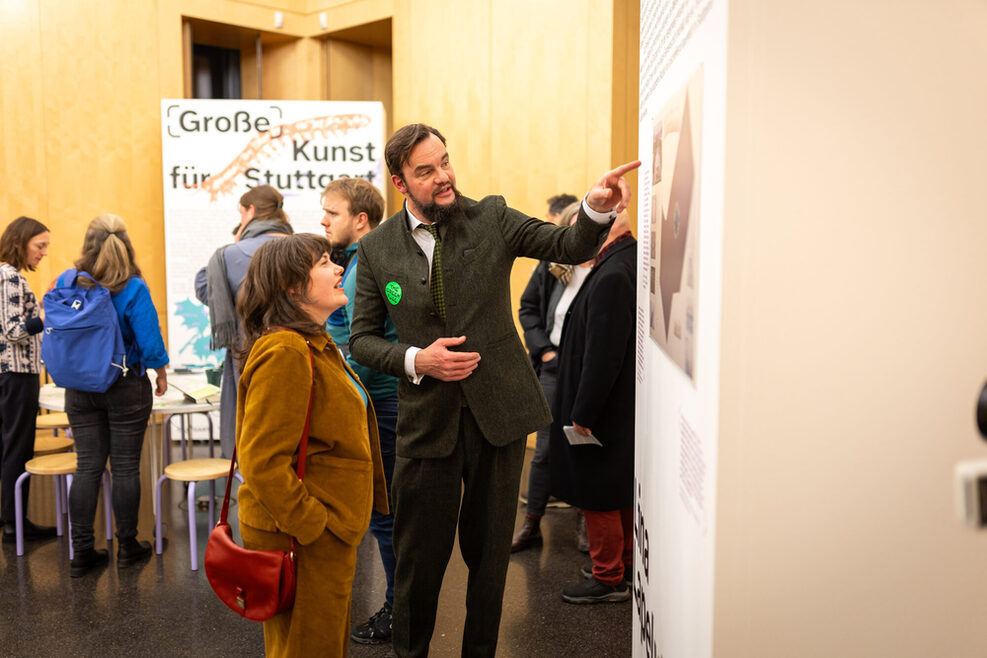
<point>291,289</point>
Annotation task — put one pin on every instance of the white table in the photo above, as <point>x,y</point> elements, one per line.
<point>172,403</point>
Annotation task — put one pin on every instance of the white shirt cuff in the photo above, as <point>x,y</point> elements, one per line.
<point>598,217</point>
<point>409,365</point>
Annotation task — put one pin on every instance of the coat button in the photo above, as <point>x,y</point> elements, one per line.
<point>432,314</point>
<point>423,281</point>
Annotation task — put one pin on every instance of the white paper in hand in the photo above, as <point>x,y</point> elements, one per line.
<point>576,439</point>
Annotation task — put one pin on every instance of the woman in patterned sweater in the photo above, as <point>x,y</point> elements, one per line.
<point>23,244</point>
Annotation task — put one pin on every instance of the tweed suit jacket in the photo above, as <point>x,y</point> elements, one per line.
<point>478,251</point>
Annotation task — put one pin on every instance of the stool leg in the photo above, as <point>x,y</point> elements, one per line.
<point>181,423</point>
<point>209,418</point>
<point>19,511</point>
<point>108,505</point>
<point>166,443</point>
<point>212,504</point>
<point>157,514</point>
<point>61,503</point>
<point>192,534</point>
<point>68,489</point>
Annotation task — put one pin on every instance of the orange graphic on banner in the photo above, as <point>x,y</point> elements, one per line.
<point>264,145</point>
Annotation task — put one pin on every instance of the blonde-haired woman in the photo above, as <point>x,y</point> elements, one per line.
<point>112,424</point>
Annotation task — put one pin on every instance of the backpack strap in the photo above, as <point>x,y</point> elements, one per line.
<point>66,278</point>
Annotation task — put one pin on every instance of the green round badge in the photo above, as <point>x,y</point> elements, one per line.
<point>393,292</point>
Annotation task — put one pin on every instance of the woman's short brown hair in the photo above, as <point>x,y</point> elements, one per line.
<point>276,284</point>
<point>13,242</point>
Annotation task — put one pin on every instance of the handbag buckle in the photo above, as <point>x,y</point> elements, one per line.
<point>240,601</point>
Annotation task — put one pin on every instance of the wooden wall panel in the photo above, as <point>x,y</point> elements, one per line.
<point>350,71</point>
<point>624,92</point>
<point>22,146</point>
<point>288,71</point>
<point>448,86</point>
<point>102,137</point>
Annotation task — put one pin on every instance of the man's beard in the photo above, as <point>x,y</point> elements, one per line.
<point>439,214</point>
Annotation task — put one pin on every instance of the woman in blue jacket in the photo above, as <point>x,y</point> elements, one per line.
<point>112,424</point>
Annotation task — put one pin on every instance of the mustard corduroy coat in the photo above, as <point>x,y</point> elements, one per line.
<point>327,513</point>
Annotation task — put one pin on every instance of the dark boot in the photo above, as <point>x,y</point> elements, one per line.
<point>87,560</point>
<point>32,532</point>
<point>529,535</point>
<point>132,551</point>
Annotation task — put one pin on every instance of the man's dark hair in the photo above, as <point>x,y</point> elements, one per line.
<point>399,146</point>
<point>558,203</point>
<point>13,243</point>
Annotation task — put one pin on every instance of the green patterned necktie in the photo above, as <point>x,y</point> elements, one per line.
<point>435,280</point>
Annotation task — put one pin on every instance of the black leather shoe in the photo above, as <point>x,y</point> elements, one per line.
<point>132,551</point>
<point>86,561</point>
<point>529,535</point>
<point>32,532</point>
<point>375,630</point>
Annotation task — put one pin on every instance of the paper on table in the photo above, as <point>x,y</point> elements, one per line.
<point>193,388</point>
<point>576,439</point>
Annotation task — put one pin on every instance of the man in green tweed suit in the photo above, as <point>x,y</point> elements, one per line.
<point>468,395</point>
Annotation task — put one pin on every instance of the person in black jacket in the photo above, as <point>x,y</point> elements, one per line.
<point>595,398</point>
<point>544,303</point>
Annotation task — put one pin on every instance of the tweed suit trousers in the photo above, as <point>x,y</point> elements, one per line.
<point>426,495</point>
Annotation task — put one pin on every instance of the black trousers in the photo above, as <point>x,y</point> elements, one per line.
<point>427,495</point>
<point>18,423</point>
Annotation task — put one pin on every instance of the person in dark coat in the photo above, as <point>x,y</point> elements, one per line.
<point>545,299</point>
<point>595,396</point>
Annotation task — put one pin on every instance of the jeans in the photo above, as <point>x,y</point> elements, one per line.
<point>539,471</point>
<point>18,417</point>
<point>382,525</point>
<point>110,424</point>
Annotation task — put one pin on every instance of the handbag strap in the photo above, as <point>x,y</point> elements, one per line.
<point>302,449</point>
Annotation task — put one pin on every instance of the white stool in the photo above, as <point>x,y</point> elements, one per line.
<point>191,471</point>
<point>62,465</point>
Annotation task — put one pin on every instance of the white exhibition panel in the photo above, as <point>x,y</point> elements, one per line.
<point>680,224</point>
<point>213,151</point>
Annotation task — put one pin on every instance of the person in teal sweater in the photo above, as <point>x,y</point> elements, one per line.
<point>352,208</point>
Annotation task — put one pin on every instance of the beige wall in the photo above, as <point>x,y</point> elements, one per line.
<point>526,104</point>
<point>854,335</point>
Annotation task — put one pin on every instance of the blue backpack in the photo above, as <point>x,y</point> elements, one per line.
<point>82,347</point>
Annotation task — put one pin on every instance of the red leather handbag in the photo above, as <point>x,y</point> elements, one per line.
<point>254,584</point>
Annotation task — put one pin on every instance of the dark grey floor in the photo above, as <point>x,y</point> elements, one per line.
<point>162,608</point>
